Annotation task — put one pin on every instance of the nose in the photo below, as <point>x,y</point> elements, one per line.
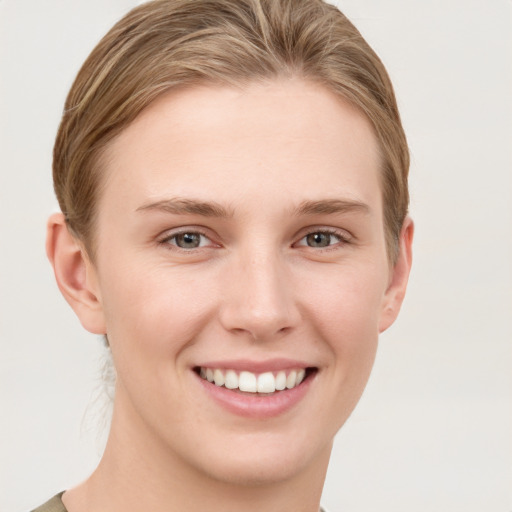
<point>259,299</point>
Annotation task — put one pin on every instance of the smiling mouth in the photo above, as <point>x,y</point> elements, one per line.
<point>256,383</point>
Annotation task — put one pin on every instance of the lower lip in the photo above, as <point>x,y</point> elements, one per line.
<point>254,405</point>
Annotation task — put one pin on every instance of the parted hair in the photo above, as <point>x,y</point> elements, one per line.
<point>166,44</point>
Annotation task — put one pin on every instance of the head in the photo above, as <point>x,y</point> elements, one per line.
<point>233,181</point>
<point>166,45</point>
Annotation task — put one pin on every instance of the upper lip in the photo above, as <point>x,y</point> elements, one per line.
<point>269,365</point>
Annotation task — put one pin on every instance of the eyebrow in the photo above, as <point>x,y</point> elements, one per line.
<point>331,206</point>
<point>180,206</point>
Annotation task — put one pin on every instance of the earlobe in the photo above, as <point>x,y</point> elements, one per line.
<point>395,292</point>
<point>75,274</point>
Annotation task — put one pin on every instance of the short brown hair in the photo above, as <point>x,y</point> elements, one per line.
<point>164,44</point>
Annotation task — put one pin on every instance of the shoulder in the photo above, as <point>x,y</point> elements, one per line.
<point>53,505</point>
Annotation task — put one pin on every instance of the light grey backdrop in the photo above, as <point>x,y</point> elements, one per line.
<point>434,429</point>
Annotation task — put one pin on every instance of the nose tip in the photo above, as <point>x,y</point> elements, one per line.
<point>260,324</point>
<point>260,302</point>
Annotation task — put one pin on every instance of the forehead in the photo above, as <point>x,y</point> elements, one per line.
<point>285,137</point>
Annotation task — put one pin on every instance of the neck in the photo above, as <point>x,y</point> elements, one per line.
<point>138,473</point>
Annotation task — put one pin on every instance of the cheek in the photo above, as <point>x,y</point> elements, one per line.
<point>156,308</point>
<point>345,316</point>
<point>348,305</point>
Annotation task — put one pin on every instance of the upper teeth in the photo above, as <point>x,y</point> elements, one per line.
<point>267,382</point>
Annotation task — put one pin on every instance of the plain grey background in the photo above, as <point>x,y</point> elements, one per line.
<point>433,431</point>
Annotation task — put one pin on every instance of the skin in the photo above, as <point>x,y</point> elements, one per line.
<point>254,289</point>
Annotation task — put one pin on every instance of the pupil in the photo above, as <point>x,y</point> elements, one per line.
<point>188,240</point>
<point>318,239</point>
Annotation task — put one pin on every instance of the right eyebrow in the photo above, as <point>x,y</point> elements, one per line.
<point>181,206</point>
<point>331,206</point>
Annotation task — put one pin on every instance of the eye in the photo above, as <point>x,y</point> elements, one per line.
<point>322,239</point>
<point>319,239</point>
<point>188,240</point>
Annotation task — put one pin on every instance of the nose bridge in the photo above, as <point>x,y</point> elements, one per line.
<point>261,299</point>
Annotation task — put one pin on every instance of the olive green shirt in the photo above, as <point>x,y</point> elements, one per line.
<point>53,505</point>
<point>56,505</point>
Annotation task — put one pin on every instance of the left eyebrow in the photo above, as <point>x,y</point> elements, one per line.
<point>181,206</point>
<point>330,206</point>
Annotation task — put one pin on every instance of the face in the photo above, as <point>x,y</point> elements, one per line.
<point>241,275</point>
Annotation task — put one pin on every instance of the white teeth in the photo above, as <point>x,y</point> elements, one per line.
<point>231,379</point>
<point>280,381</point>
<point>249,382</point>
<point>218,378</point>
<point>291,379</point>
<point>266,383</point>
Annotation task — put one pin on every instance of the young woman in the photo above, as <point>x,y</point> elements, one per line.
<point>232,176</point>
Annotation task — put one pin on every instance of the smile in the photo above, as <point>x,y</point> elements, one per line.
<point>248,382</point>
<point>256,390</point>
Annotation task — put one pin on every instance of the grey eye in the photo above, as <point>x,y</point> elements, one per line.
<point>188,240</point>
<point>319,239</point>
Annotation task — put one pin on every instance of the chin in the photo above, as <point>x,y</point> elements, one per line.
<point>254,473</point>
<point>264,460</point>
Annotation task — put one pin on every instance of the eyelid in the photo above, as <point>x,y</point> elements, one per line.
<point>163,239</point>
<point>166,236</point>
<point>344,236</point>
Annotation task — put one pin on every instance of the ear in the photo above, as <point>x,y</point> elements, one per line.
<point>399,277</point>
<point>75,274</point>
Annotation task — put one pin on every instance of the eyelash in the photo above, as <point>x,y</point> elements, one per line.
<point>342,237</point>
<point>167,240</point>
